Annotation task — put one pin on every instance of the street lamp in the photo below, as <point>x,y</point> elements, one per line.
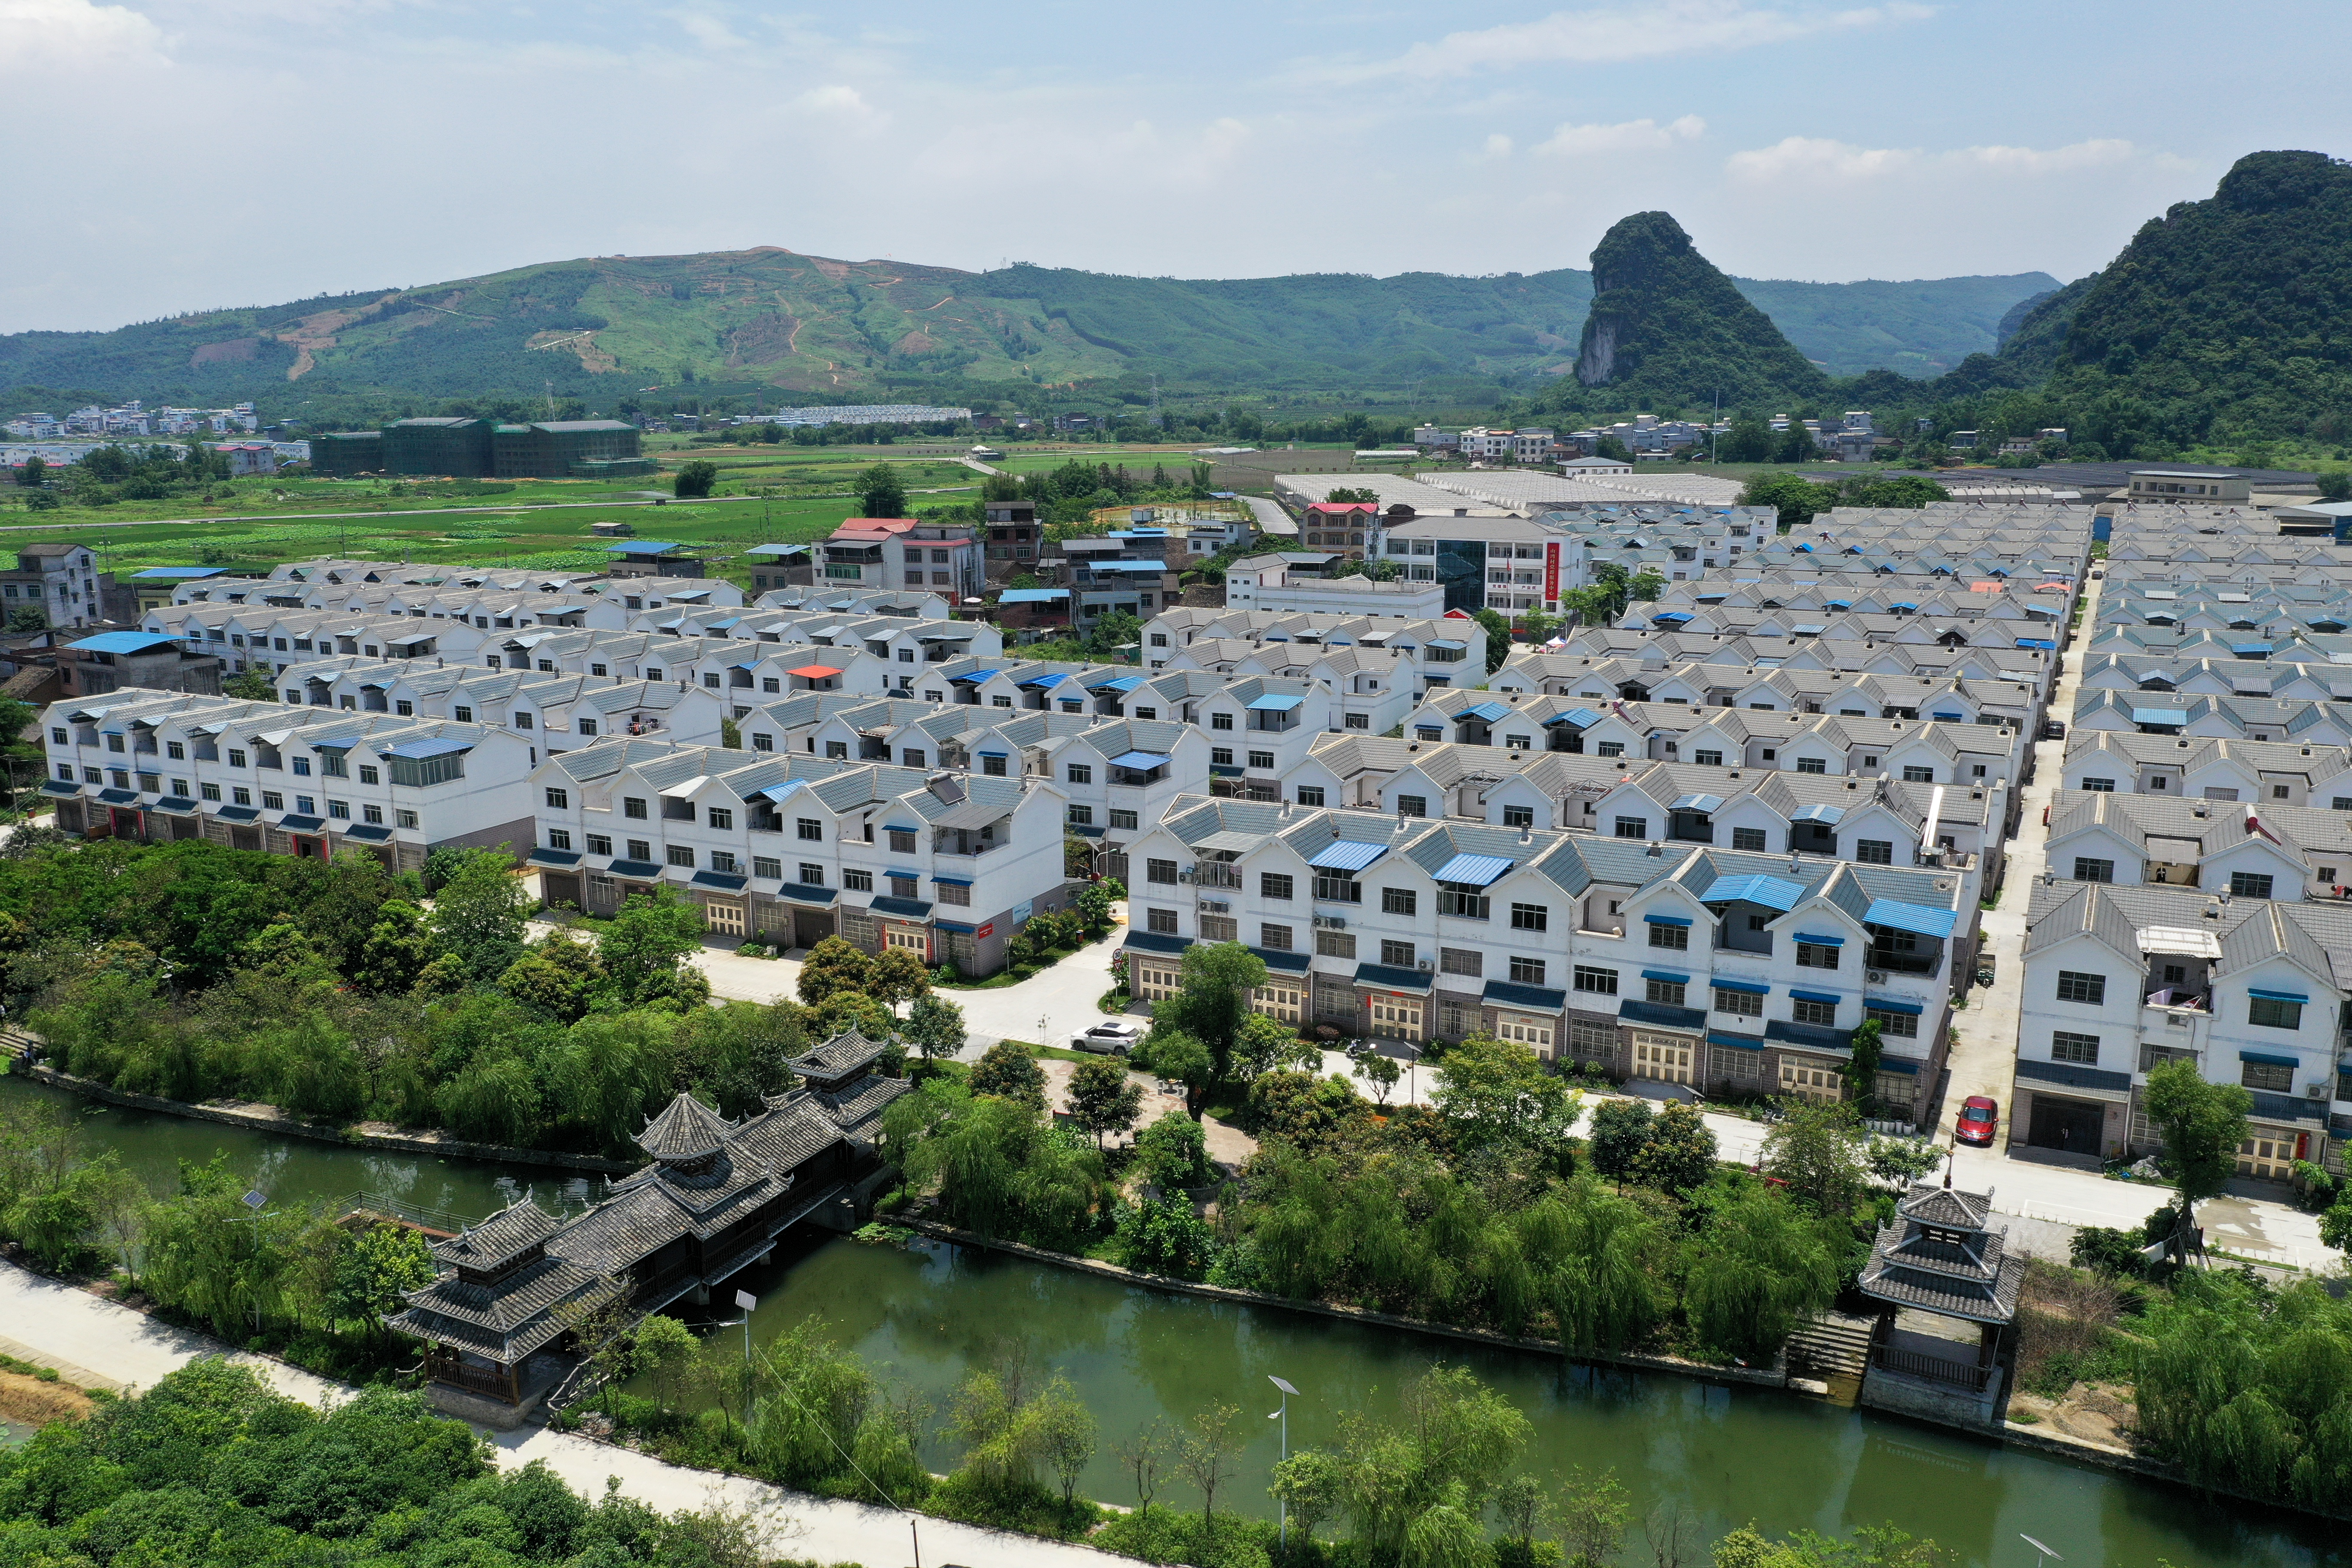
<point>747,1301</point>
<point>2046,1554</point>
<point>1283,1415</point>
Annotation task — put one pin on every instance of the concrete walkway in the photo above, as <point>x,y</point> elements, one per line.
<point>56,1323</point>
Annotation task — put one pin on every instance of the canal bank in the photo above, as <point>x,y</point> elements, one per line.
<point>926,1316</point>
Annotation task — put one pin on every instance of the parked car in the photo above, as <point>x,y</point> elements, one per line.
<point>1115,1036</point>
<point>1979,1119</point>
<point>2051,729</point>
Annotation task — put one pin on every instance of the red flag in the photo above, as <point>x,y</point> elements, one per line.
<point>2255,824</point>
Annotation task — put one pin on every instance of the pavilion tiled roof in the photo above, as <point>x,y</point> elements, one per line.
<point>686,1128</point>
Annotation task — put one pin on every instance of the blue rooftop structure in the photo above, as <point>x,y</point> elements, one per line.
<point>122,642</point>
<point>1477,870</point>
<point>1915,918</point>
<point>1031,595</point>
<point>440,746</point>
<point>1347,855</point>
<point>645,547</point>
<point>175,573</point>
<point>1138,760</point>
<point>1772,892</point>
<point>1274,702</point>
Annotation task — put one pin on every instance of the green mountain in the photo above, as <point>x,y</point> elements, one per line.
<point>1667,328</point>
<point>2225,317</point>
<point>780,325</point>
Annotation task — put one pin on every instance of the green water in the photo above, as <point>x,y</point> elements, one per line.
<point>1730,1453</point>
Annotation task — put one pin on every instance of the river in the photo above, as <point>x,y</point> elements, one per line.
<point>924,1315</point>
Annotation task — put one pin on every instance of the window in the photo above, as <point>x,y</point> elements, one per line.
<point>1707,758</point>
<point>210,791</point>
<point>902,887</point>
<point>1633,827</point>
<point>1530,917</point>
<point>1338,888</point>
<point>1327,943</point>
<point>272,801</point>
<point>1610,749</point>
<point>2100,786</point>
<point>2087,869</point>
<point>1519,817</point>
<point>1221,756</point>
<point>1081,816</point>
<point>1160,920</point>
<point>1803,1012</point>
<point>558,800</point>
<point>1275,885</point>
<point>640,849</point>
<point>1875,851</point>
<point>854,880</point>
<point>369,774</point>
<point>404,818</point>
<point>2250,884</point>
<point>1411,805</point>
<point>600,844</point>
<point>911,756</point>
<point>1225,928</point>
<point>2075,986</point>
<point>1122,820</point>
<point>1667,993</point>
<point>1221,720</point>
<point>1400,900</point>
<point>1081,773</point>
<point>633,809</point>
<point>1160,871</point>
<point>1598,982</point>
<point>1274,938</point>
<point>812,873</point>
<point>1261,759</point>
<point>2275,1078</point>
<point>901,841</point>
<point>1743,1003</point>
<point>1396,954</point>
<point>811,829</point>
<point>235,758</point>
<point>992,765</point>
<point>1462,961</point>
<point>1750,838</point>
<point>1310,795</point>
<point>464,715</point>
<point>1812,765</point>
<point>1890,1022</point>
<point>373,814</point>
<point>1675,938</point>
<point>171,749</point>
<point>768,866</point>
<point>2066,1045</point>
<point>1463,901</point>
<point>2274,1012</point>
<point>1916,775</point>
<point>681,855</point>
<point>1359,721</point>
<point>557,837</point>
<point>1816,955</point>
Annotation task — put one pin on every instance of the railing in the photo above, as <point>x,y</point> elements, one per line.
<point>967,851</point>
<point>1935,1369</point>
<point>1904,962</point>
<point>1211,874</point>
<point>423,1217</point>
<point>495,1382</point>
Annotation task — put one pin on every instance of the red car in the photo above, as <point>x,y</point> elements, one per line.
<point>1978,1117</point>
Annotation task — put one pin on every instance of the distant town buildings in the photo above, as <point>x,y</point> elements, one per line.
<point>133,418</point>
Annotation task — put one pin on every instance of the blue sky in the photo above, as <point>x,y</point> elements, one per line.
<point>181,155</point>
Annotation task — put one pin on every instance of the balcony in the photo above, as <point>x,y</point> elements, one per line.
<point>963,845</point>
<point>1214,874</point>
<point>1921,964</point>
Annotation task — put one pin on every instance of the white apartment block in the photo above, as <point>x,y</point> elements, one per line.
<point>793,849</point>
<point>1682,964</point>
<point>256,775</point>
<point>1438,651</point>
<point>557,712</point>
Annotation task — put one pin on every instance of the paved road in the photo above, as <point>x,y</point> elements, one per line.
<point>59,1325</point>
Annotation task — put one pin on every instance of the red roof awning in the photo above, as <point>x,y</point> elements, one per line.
<point>815,672</point>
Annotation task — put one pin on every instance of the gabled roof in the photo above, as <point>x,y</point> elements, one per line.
<point>684,1130</point>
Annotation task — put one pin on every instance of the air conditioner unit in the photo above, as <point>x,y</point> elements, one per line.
<point>1185,875</point>
<point>1425,965</point>
<point>1873,977</point>
<point>1216,906</point>
<point>2319,1091</point>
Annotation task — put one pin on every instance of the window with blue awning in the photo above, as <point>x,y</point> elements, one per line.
<point>1668,975</point>
<point>1822,996</point>
<point>2265,1058</point>
<point>2278,996</point>
<point>1664,921</point>
<point>1820,939</point>
<point>1747,987</point>
<point>1886,1005</point>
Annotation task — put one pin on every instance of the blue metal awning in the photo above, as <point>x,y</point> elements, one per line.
<point>1820,939</point>
<point>2171,716</point>
<point>1888,1005</point>
<point>1487,713</point>
<point>1346,854</point>
<point>238,814</point>
<point>1668,975</point>
<point>1536,998</point>
<point>1901,604</point>
<point>439,747</point>
<point>54,786</point>
<point>972,675</point>
<point>1389,977</point>
<point>1477,870</point>
<point>1138,760</point>
<point>906,909</point>
<point>2250,990</point>
<point>2267,1059</point>
<point>1917,918</point>
<point>1273,702</point>
<point>1152,942</point>
<point>954,881</point>
<point>1118,683</point>
<point>724,882</point>
<point>1670,615</point>
<point>1772,892</point>
<point>2251,649</point>
<point>1045,681</point>
<point>638,869</point>
<point>1444,643</point>
<point>1830,997</point>
<point>300,824</point>
<point>1285,962</point>
<point>565,858</point>
<point>1702,803</point>
<point>368,831</point>
<point>1748,986</point>
<point>1810,629</point>
<point>1582,718</point>
<point>1736,1042</point>
<point>118,797</point>
<point>1664,921</point>
<point>1827,815</point>
<point>776,792</point>
<point>2038,642</point>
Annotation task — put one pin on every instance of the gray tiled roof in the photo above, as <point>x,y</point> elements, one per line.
<point>685,1129</point>
<point>510,1232</point>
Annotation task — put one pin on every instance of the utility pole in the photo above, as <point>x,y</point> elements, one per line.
<point>1283,1415</point>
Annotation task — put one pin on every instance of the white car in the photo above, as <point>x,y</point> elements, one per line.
<point>1115,1035</point>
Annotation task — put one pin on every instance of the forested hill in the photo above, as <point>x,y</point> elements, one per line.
<point>773,318</point>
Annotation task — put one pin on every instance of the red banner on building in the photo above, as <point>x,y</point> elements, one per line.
<point>1551,572</point>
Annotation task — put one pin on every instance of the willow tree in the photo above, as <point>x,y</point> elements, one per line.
<point>1597,1253</point>
<point>1761,1267</point>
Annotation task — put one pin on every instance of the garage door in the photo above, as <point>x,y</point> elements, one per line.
<point>2071,1125</point>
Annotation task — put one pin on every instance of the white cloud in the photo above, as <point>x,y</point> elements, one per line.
<point>1627,136</point>
<point>1631,33</point>
<point>53,34</point>
<point>1817,159</point>
<point>1497,148</point>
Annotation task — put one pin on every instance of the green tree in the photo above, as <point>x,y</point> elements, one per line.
<point>731,734</point>
<point>1066,1435</point>
<point>1264,1044</point>
<point>2201,1124</point>
<point>1499,636</point>
<point>665,1348</point>
<point>1010,1072</point>
<point>1103,1099</point>
<point>1454,1442</point>
<point>1679,1153</point>
<point>1621,1129</point>
<point>934,1026</point>
<point>559,975</point>
<point>1380,1072</point>
<point>1181,1056</point>
<point>251,685</point>
<point>372,1266</point>
<point>643,952</point>
<point>1218,980</point>
<point>614,1071</point>
<point>480,911</point>
<point>1818,1153</point>
<point>1497,1093</point>
<point>1311,1487</point>
<point>1761,1267</point>
<point>1749,440</point>
<point>1797,500</point>
<point>1208,1455</point>
<point>694,479</point>
<point>1600,1254</point>
<point>1593,1514</point>
<point>881,492</point>
<point>898,978</point>
<point>1174,1152</point>
<point>833,965</point>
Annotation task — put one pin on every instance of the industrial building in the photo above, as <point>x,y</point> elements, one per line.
<point>479,449</point>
